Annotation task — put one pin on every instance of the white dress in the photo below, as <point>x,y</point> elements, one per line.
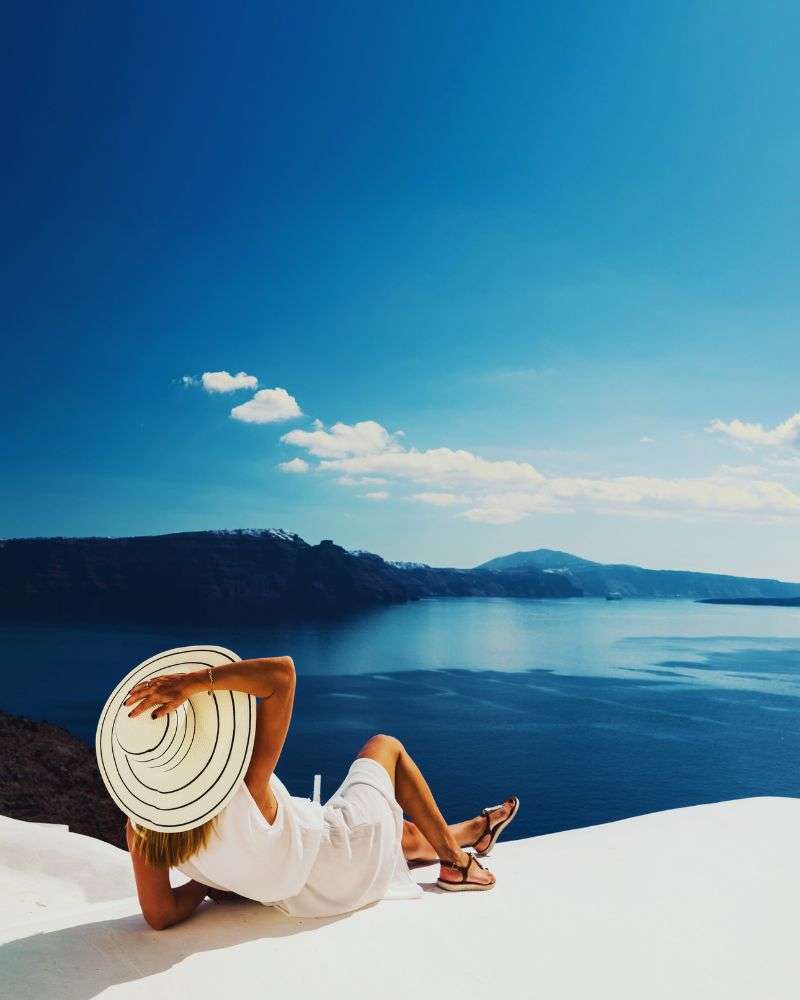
<point>313,860</point>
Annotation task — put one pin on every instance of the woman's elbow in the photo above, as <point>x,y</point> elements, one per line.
<point>158,921</point>
<point>285,665</point>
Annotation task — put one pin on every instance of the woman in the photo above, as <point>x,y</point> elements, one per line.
<point>306,859</point>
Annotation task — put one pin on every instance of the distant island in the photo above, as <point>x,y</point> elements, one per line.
<point>774,602</point>
<point>621,580</point>
<point>261,576</point>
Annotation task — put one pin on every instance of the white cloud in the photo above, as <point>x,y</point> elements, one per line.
<point>295,466</point>
<point>268,406</point>
<point>507,508</point>
<point>225,382</point>
<point>440,499</point>
<point>189,380</point>
<point>364,438</point>
<point>436,466</point>
<point>644,439</point>
<point>741,470</point>
<point>361,481</point>
<point>712,494</point>
<point>504,491</point>
<point>783,435</point>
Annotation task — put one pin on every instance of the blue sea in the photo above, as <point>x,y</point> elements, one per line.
<point>589,710</point>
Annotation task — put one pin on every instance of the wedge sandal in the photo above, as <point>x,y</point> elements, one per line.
<point>494,831</point>
<point>464,885</point>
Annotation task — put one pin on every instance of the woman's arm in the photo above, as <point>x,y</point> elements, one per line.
<point>162,906</point>
<point>262,677</point>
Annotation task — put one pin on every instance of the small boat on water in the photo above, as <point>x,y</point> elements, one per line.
<point>614,595</point>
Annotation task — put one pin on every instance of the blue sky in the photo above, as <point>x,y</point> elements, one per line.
<point>527,276</point>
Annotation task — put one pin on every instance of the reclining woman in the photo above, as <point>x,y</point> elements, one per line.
<point>307,859</point>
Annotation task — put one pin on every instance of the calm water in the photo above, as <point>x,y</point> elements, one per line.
<point>590,710</point>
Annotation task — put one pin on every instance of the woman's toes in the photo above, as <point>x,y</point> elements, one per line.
<point>482,875</point>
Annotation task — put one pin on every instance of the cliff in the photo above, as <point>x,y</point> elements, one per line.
<point>238,576</point>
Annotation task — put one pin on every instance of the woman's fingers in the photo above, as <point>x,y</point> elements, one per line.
<point>140,691</point>
<point>154,683</point>
<point>160,705</point>
<point>165,709</point>
<point>165,692</point>
<point>144,704</point>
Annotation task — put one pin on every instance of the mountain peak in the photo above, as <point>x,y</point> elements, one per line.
<point>552,559</point>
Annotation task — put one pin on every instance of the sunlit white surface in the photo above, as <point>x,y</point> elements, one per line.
<point>697,902</point>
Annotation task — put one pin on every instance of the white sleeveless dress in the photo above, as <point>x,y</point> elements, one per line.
<point>313,860</point>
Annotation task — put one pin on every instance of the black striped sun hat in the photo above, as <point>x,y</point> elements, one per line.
<point>179,770</point>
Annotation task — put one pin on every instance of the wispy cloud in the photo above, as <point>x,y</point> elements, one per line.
<point>222,381</point>
<point>376,495</point>
<point>644,439</point>
<point>297,466</point>
<point>434,466</point>
<point>268,406</point>
<point>361,481</point>
<point>785,435</point>
<point>440,499</point>
<point>741,470</point>
<point>712,494</point>
<point>504,492</point>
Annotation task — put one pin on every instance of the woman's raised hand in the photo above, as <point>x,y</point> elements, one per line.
<point>163,694</point>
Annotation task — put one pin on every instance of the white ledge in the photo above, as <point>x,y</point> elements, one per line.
<point>690,903</point>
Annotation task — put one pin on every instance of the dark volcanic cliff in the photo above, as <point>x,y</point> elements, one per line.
<point>225,577</point>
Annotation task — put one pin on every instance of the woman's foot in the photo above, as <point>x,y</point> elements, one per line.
<point>482,830</point>
<point>465,872</point>
<point>472,833</point>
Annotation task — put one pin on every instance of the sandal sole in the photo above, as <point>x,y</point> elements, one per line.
<point>464,886</point>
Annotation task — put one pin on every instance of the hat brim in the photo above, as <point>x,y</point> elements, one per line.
<point>179,771</point>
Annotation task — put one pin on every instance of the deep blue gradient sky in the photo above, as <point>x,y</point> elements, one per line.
<point>558,236</point>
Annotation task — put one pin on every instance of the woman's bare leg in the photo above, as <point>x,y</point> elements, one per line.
<point>416,847</point>
<point>416,799</point>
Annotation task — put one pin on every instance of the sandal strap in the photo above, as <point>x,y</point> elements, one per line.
<point>488,828</point>
<point>464,869</point>
<point>473,859</point>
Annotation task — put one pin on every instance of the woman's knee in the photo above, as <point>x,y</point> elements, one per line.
<point>390,741</point>
<point>384,742</point>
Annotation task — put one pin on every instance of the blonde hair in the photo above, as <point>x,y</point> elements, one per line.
<point>167,850</point>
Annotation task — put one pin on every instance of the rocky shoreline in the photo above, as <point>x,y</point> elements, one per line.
<point>50,776</point>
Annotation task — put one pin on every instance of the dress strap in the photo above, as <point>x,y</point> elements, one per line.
<point>317,788</point>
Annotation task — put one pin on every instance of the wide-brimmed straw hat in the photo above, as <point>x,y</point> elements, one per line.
<point>177,771</point>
